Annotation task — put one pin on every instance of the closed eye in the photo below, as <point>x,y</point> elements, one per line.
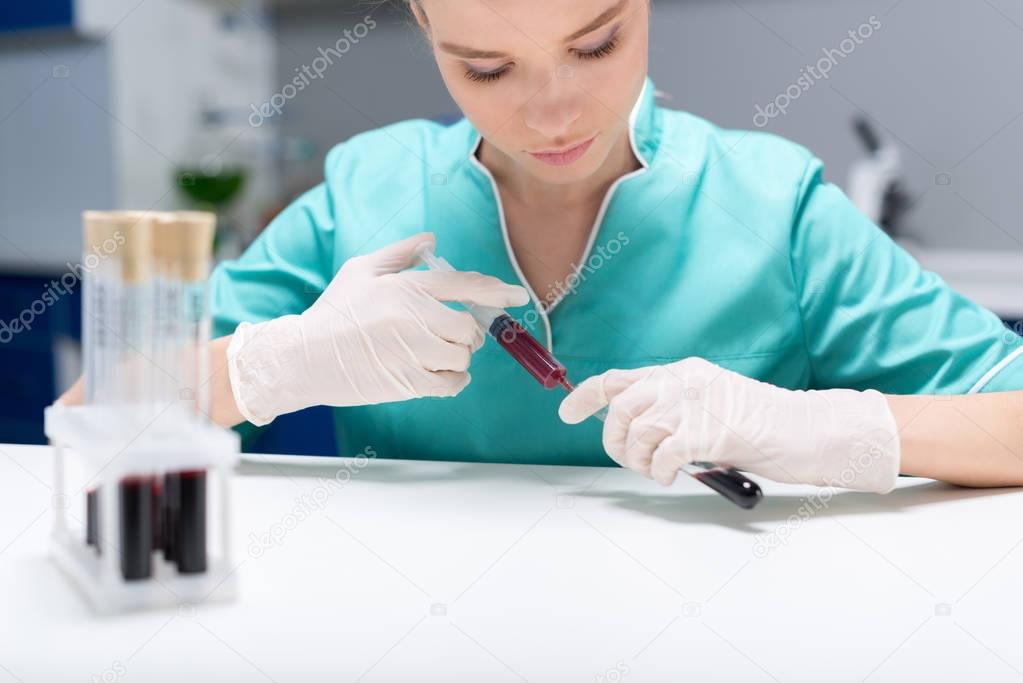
<point>600,51</point>
<point>485,76</point>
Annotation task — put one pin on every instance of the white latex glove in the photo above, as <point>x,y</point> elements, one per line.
<point>375,335</point>
<point>662,417</point>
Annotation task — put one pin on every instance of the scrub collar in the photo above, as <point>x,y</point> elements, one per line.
<point>644,137</point>
<point>645,125</point>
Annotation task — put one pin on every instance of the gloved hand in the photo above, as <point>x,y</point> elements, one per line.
<point>375,335</point>
<point>662,417</point>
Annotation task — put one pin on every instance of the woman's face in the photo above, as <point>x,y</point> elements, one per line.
<point>550,83</point>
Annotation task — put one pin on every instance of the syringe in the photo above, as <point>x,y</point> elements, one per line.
<point>545,368</point>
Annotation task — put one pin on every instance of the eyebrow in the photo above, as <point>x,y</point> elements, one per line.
<point>473,53</point>
<point>603,18</point>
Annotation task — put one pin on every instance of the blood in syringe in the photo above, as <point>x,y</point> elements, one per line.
<point>529,353</point>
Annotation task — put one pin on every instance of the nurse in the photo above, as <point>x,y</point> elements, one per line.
<point>713,290</point>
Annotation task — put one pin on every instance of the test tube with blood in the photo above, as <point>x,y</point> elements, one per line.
<point>184,241</point>
<point>117,337</point>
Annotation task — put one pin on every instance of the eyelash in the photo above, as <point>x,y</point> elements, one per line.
<point>597,53</point>
<point>484,77</point>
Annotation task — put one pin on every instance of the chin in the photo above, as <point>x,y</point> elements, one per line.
<point>582,168</point>
<point>561,175</point>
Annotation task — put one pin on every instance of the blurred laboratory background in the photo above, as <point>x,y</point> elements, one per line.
<point>914,105</point>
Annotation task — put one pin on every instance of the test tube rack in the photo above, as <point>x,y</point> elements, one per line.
<point>124,443</point>
<point>157,471</point>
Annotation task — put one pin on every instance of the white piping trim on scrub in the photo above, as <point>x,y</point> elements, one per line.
<point>507,241</point>
<point>633,115</point>
<point>995,370</point>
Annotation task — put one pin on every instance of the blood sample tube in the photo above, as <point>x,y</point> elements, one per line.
<point>184,242</point>
<point>190,553</point>
<point>92,518</point>
<point>157,512</point>
<point>170,507</point>
<point>731,484</point>
<point>136,511</point>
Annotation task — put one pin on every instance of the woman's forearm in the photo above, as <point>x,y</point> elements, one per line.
<point>223,409</point>
<point>971,440</point>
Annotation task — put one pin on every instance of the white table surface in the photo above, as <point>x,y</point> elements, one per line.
<point>451,572</point>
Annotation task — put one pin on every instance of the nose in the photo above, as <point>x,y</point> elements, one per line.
<point>553,110</point>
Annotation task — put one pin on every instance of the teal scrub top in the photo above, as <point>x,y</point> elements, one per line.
<point>728,245</point>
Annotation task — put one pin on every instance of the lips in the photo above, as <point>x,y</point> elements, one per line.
<point>565,155</point>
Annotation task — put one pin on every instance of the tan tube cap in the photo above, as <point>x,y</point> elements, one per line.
<point>124,236</point>
<point>183,243</point>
